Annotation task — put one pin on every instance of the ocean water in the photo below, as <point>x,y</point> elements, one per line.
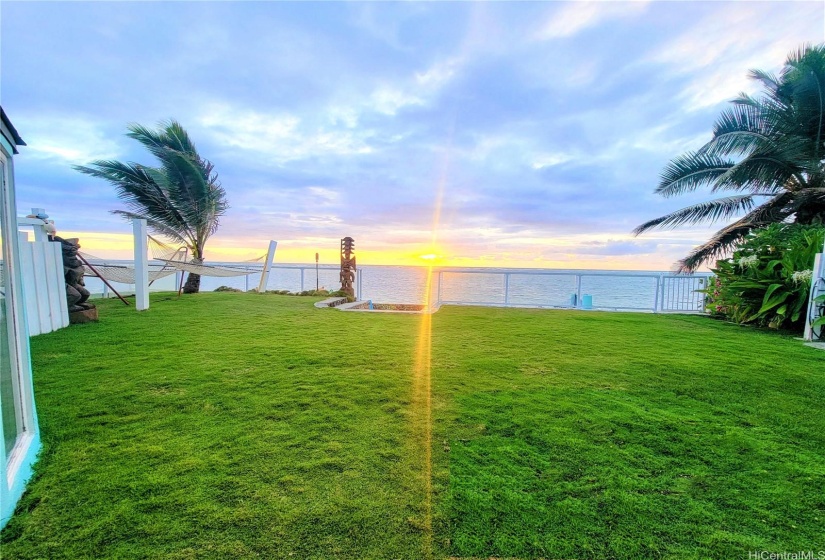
<point>491,286</point>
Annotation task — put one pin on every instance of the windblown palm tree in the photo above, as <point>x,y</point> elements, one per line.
<point>768,150</point>
<point>181,200</point>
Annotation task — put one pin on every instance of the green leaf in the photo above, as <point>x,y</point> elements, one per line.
<point>772,264</point>
<point>771,289</point>
<point>773,302</point>
<point>744,284</point>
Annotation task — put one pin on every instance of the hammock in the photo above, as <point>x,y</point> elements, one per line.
<point>121,273</point>
<point>176,258</point>
<point>204,270</point>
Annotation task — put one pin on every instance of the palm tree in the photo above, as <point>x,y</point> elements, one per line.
<point>181,200</point>
<point>769,151</point>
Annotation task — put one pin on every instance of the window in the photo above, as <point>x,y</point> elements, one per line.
<point>10,394</point>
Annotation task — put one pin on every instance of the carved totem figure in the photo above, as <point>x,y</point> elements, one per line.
<point>76,292</point>
<point>348,266</point>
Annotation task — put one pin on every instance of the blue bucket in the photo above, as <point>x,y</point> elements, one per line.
<point>587,301</point>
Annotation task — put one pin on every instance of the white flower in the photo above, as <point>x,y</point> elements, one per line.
<point>802,276</point>
<point>747,262</point>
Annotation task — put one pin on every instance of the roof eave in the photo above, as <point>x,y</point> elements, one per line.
<point>15,139</point>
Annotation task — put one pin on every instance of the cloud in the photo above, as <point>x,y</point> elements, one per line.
<point>550,159</point>
<point>281,137</point>
<point>574,17</point>
<point>65,139</point>
<point>419,89</point>
<point>389,101</point>
<point>717,48</point>
<point>617,247</point>
<point>543,125</point>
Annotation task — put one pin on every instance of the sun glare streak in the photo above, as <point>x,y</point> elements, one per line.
<point>422,383</point>
<point>422,404</point>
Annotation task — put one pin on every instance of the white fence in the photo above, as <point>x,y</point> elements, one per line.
<point>44,287</point>
<point>282,277</point>
<point>608,290</point>
<point>614,291</point>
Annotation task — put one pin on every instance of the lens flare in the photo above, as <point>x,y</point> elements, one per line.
<point>422,376</point>
<point>422,405</point>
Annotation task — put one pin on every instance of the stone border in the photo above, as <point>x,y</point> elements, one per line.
<point>341,304</point>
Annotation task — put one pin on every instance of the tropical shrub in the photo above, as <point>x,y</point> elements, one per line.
<point>767,280</point>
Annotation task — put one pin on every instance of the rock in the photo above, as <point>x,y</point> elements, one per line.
<point>84,316</point>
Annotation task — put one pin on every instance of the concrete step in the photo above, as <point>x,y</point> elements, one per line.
<point>331,302</point>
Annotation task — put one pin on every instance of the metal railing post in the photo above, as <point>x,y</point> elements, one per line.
<point>105,286</point>
<point>440,277</point>
<point>656,295</point>
<point>506,288</point>
<point>662,297</point>
<point>245,282</point>
<point>359,283</point>
<point>705,283</point>
<point>578,290</point>
<point>302,279</point>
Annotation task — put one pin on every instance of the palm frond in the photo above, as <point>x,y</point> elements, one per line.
<point>809,205</point>
<point>763,171</point>
<point>181,199</point>
<point>770,81</point>
<point>772,211</point>
<point>807,89</point>
<point>740,130</point>
<point>155,226</point>
<point>177,138</point>
<point>710,211</point>
<point>713,249</point>
<point>152,140</point>
<point>690,171</point>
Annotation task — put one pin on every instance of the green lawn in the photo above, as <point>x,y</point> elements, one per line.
<point>255,426</point>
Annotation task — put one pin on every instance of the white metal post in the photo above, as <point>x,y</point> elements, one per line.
<point>662,294</point>
<point>656,296</point>
<point>270,255</point>
<point>811,316</point>
<point>506,288</point>
<point>578,290</point>
<point>141,265</point>
<point>302,280</point>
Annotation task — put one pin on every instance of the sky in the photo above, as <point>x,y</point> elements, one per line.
<point>502,134</point>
